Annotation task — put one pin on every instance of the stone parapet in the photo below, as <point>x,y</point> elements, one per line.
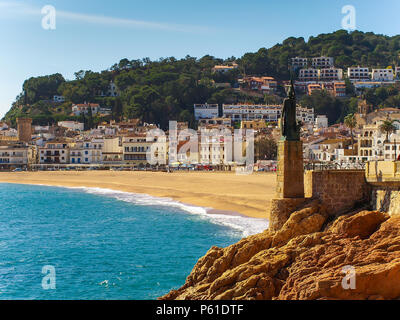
<point>338,190</point>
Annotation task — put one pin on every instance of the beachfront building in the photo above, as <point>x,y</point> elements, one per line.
<point>212,149</point>
<point>54,152</point>
<point>13,154</point>
<point>322,62</point>
<point>382,75</point>
<point>205,111</point>
<point>358,74</point>
<point>137,148</point>
<point>87,152</point>
<point>112,150</point>
<point>79,109</point>
<point>71,125</point>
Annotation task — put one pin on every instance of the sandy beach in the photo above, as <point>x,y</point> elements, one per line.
<point>249,195</point>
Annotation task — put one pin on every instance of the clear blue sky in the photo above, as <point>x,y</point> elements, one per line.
<point>95,34</point>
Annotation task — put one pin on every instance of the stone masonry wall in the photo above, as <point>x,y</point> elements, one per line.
<point>338,190</point>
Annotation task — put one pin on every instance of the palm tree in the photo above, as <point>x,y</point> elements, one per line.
<point>350,122</point>
<point>387,127</point>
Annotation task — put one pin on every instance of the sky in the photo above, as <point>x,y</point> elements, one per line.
<point>95,34</point>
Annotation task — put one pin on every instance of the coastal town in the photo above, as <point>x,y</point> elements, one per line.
<point>367,134</point>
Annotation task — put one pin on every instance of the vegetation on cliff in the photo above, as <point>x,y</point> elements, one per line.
<point>156,91</point>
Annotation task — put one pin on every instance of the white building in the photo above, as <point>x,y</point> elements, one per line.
<point>322,62</point>
<point>55,152</point>
<point>71,125</point>
<point>79,109</point>
<point>331,74</point>
<point>13,154</point>
<point>358,74</point>
<point>382,75</point>
<point>205,111</point>
<point>87,152</point>
<point>299,63</point>
<point>309,74</point>
<point>269,113</point>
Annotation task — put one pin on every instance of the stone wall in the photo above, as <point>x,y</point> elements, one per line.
<point>338,190</point>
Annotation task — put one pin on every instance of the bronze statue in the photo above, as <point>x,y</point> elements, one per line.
<point>290,128</point>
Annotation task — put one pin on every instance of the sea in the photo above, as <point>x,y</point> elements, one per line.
<point>60,243</point>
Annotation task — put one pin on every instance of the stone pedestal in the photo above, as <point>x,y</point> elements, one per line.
<point>290,172</point>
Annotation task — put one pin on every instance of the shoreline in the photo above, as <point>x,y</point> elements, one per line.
<point>220,193</point>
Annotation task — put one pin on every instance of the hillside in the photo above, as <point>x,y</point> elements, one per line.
<point>157,91</point>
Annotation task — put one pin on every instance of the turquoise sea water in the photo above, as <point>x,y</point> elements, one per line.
<point>104,244</point>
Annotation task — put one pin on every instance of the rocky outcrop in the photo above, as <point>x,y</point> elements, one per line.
<point>306,259</point>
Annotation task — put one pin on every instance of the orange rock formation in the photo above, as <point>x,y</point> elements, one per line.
<point>303,261</point>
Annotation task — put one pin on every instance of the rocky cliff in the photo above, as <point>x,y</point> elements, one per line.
<point>304,260</point>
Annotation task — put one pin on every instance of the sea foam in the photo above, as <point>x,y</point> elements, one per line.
<point>245,225</point>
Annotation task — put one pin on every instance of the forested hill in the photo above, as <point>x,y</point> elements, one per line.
<point>157,91</point>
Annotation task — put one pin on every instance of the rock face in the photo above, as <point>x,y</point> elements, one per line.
<point>304,260</point>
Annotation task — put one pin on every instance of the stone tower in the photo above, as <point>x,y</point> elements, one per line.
<point>24,129</point>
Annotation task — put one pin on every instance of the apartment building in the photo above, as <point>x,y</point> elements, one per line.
<point>213,150</point>
<point>322,62</point>
<point>137,148</point>
<point>309,74</point>
<point>13,154</point>
<point>299,63</point>
<point>112,150</point>
<point>240,112</point>
<point>268,113</point>
<point>331,74</point>
<point>205,111</point>
<point>358,74</point>
<point>87,152</point>
<point>382,75</point>
<point>54,152</point>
